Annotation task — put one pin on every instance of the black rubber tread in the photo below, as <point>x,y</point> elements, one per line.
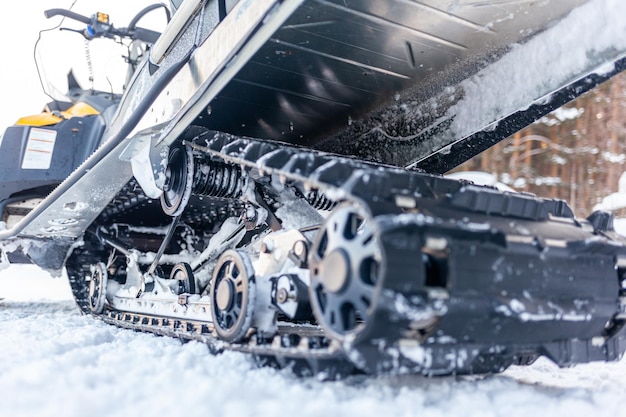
<point>78,266</point>
<point>318,357</point>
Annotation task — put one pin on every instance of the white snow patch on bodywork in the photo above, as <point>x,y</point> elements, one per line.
<point>142,171</point>
<point>543,62</point>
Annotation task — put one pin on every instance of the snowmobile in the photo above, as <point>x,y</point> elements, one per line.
<point>270,183</point>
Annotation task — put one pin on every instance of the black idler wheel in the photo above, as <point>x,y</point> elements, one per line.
<point>183,273</point>
<point>97,287</point>
<point>232,293</point>
<point>344,263</point>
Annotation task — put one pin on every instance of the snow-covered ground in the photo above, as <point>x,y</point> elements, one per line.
<point>56,362</point>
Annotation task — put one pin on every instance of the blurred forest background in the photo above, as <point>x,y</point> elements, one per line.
<point>576,153</point>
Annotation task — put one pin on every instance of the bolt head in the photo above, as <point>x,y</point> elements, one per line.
<point>282,296</point>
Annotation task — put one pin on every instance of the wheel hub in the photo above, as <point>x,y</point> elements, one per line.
<point>224,295</point>
<point>335,271</point>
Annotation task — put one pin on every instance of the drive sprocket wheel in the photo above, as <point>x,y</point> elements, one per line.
<point>233,294</point>
<point>344,263</point>
<point>97,287</point>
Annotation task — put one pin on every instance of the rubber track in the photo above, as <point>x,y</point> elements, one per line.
<point>386,191</point>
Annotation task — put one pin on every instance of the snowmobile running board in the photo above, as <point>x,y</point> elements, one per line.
<point>220,207</point>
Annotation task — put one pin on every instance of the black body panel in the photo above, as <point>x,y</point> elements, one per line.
<point>76,139</point>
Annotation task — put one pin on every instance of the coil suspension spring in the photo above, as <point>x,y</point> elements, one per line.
<point>216,179</point>
<point>319,201</point>
<point>188,174</point>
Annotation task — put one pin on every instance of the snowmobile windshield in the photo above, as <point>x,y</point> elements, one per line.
<point>101,64</point>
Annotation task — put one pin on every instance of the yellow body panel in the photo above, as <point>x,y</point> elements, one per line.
<point>79,109</point>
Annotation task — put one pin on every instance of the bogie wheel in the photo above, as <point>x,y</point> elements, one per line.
<point>232,293</point>
<point>178,180</point>
<point>183,273</point>
<point>345,263</point>
<point>97,287</point>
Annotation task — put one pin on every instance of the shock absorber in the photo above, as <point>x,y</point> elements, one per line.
<point>188,174</point>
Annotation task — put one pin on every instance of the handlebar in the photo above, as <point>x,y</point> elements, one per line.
<point>146,35</point>
<point>67,13</point>
<point>97,28</point>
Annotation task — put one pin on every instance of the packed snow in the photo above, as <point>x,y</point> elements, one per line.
<point>56,362</point>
